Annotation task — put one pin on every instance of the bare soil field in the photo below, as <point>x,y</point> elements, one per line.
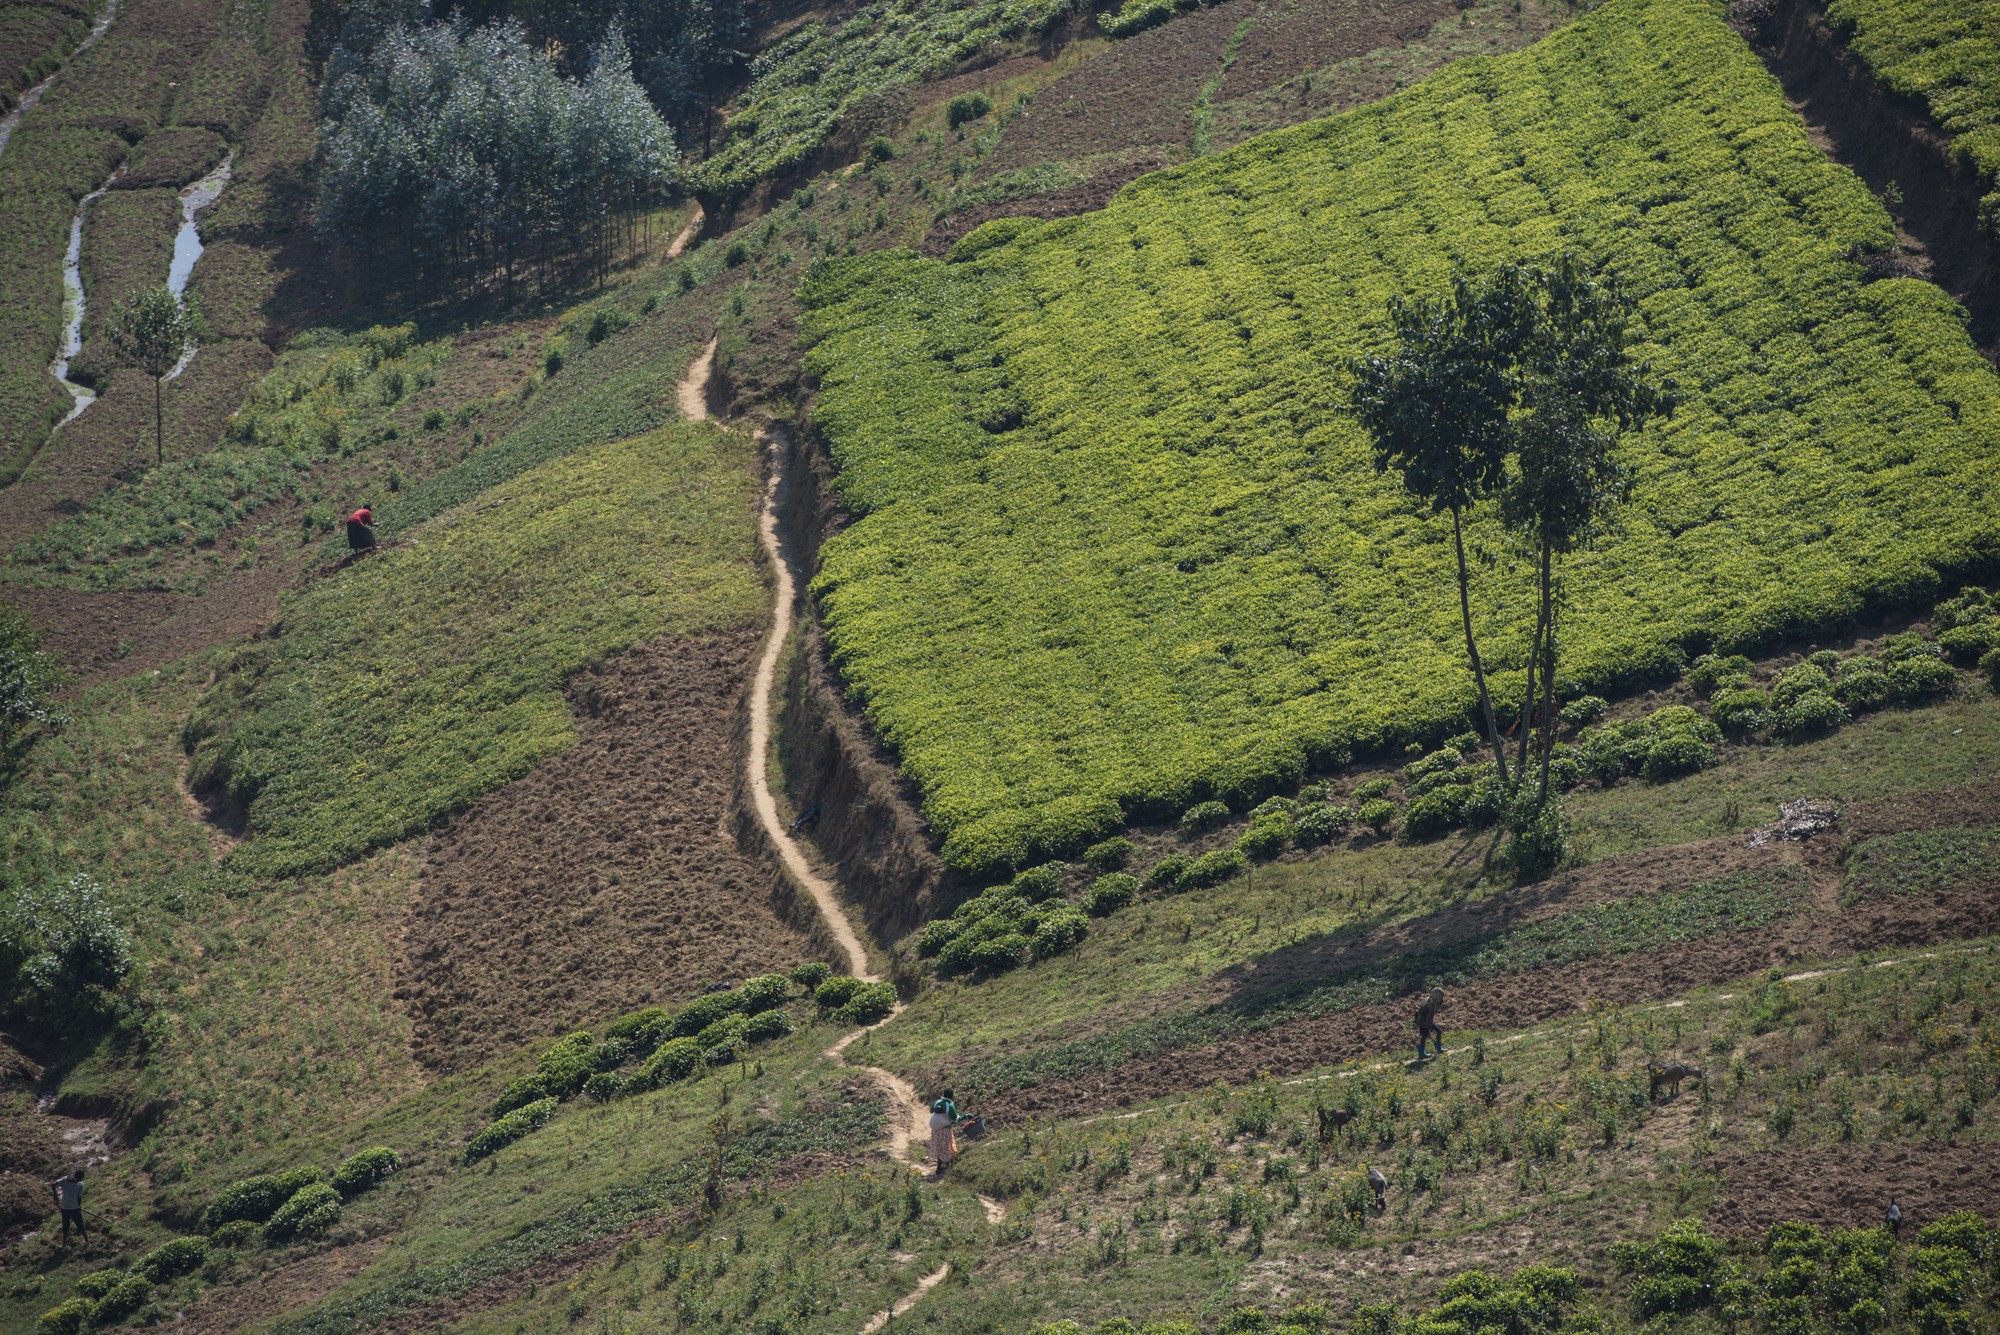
<point>605,880</point>
<point>1849,1186</point>
<point>286,1289</point>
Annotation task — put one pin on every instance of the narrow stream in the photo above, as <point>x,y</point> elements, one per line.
<point>72,274</point>
<point>34,95</point>
<point>187,241</point>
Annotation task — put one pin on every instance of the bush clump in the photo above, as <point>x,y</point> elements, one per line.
<point>68,1317</point>
<point>1742,712</point>
<point>811,974</point>
<point>1917,679</point>
<point>674,1060</point>
<point>1585,710</point>
<point>834,993</point>
<point>1809,714</point>
<point>1374,788</point>
<point>504,1131</point>
<point>1321,824</point>
<point>1376,813</point>
<point>1059,931</point>
<point>764,992</point>
<point>767,1025</point>
<point>235,1233</point>
<point>1211,868</point>
<point>1036,883</point>
<point>870,1002</point>
<point>258,1198</point>
<point>1203,817</point>
<point>1109,893</point>
<point>1433,814</point>
<point>1712,673</point>
<point>1267,837</point>
<point>125,1298</point>
<point>364,1168</point>
<point>1108,854</point>
<point>171,1259</point>
<point>310,1211</point>
<point>1166,873</point>
<point>966,108</point>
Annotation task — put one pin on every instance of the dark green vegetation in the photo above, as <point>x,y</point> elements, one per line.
<point>153,330</point>
<point>1947,55</point>
<point>399,690</point>
<point>1112,440</point>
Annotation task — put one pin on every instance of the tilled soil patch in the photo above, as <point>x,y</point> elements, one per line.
<point>1291,37</point>
<point>275,1292</point>
<point>1508,1002</point>
<point>605,880</point>
<point>1850,1186</point>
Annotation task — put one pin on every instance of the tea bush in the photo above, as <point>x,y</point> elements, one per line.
<point>1810,715</point>
<point>676,1059</point>
<point>504,1131</point>
<point>1203,817</point>
<point>1109,893</point>
<point>835,992</point>
<point>1022,462</point>
<point>1321,824</point>
<point>1212,868</point>
<point>256,1199</point>
<point>763,993</point>
<point>125,1298</point>
<point>604,1087</point>
<point>766,1025</point>
<point>965,108</point>
<point>364,1169</point>
<point>310,1211</point>
<point>870,1002</point>
<point>811,974</point>
<point>1108,855</point>
<point>1377,814</point>
<point>1166,873</point>
<point>1267,837</point>
<point>170,1260</point>
<point>71,1316</point>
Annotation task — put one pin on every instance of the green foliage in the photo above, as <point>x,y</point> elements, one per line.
<point>1537,840</point>
<point>991,932</point>
<point>504,1131</point>
<point>965,108</point>
<point>1109,854</point>
<point>1376,814</point>
<point>99,1282</point>
<point>676,1059</point>
<point>1166,873</point>
<point>1918,862</point>
<point>1111,892</point>
<point>125,1298</point>
<point>256,1199</point>
<point>363,1169</point>
<point>1675,1273</point>
<point>312,1210</point>
<point>1135,16</point>
<point>1203,817</point>
<point>835,992</point>
<point>763,992</point>
<point>62,952</point>
<point>1711,673</point>
<point>1038,883</point>
<point>811,974</point>
<point>172,1259</point>
<point>1810,714</point>
<point>802,84</point>
<point>1016,391</point>
<point>1741,712</point>
<point>1584,711</point>
<point>397,691</point>
<point>71,1316</point>
<point>1320,824</point>
<point>153,329</point>
<point>1374,788</point>
<point>1211,868</point>
<point>29,676</point>
<point>1267,837</point>
<point>868,1003</point>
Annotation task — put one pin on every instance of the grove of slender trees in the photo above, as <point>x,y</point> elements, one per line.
<point>453,155</point>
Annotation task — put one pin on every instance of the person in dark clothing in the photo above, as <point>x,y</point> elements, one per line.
<point>1894,1218</point>
<point>361,530</point>
<point>1427,1027</point>
<point>69,1199</point>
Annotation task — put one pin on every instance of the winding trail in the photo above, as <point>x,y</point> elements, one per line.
<point>912,1129</point>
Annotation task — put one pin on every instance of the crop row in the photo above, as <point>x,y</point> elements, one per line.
<point>1120,551</point>
<point>1622,927</point>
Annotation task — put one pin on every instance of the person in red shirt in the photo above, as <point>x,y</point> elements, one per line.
<point>360,530</point>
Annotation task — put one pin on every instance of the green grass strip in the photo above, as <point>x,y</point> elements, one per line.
<point>1919,862</point>
<point>1603,931</point>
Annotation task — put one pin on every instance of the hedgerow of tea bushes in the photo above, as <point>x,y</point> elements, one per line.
<point>991,932</point>
<point>364,1169</point>
<point>1203,817</point>
<point>1166,873</point>
<point>504,1131</point>
<point>1110,892</point>
<point>1321,823</point>
<point>310,1211</point>
<point>258,1198</point>
<point>1108,855</point>
<point>1017,455</point>
<point>1267,837</point>
<point>172,1259</point>
<point>1584,710</point>
<point>98,1283</point>
<point>866,1004</point>
<point>68,1317</point>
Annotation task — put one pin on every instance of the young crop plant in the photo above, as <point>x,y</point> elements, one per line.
<point>1117,552</point>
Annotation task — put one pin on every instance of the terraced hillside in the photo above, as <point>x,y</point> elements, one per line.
<point>515,928</point>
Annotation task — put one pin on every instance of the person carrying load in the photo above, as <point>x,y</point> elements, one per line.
<point>361,530</point>
<point>1427,1026</point>
<point>944,1120</point>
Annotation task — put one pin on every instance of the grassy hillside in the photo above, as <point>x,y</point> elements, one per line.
<point>400,689</point>
<point>1118,550</point>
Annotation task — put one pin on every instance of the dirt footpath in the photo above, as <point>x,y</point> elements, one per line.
<point>605,880</point>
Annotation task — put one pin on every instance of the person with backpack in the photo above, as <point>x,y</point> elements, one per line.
<point>944,1118</point>
<point>1427,1025</point>
<point>361,530</point>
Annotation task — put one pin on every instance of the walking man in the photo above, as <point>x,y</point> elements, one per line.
<point>944,1117</point>
<point>1427,1027</point>
<point>69,1199</point>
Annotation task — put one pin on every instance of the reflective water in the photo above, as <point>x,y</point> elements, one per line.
<point>72,276</point>
<point>187,241</point>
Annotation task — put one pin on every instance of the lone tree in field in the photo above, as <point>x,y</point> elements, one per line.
<point>1437,407</point>
<point>154,330</point>
<point>1576,388</point>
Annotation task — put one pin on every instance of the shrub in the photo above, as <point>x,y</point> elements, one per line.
<point>767,1025</point>
<point>172,1259</point>
<point>310,1211</point>
<point>604,1087</point>
<point>965,108</point>
<point>702,1012</point>
<point>811,974</point>
<point>1203,817</point>
<point>1043,882</point>
<point>1742,712</point>
<point>604,322</point>
<point>258,1198</point>
<point>1374,788</point>
<point>520,1093</point>
<point>1676,754</point>
<point>835,992</point>
<point>564,1067</point>
<point>1537,842</point>
<point>1377,813</point>
<point>1274,806</point>
<point>675,1059</point>
<point>1266,838</point>
<point>720,1041</point>
<point>870,1002</point>
<point>1109,893</point>
<point>1485,803</point>
<point>1969,606</point>
<point>1862,686</point>
<point>1968,644</point>
<point>552,360</point>
<point>68,1317</point>
<point>1437,762</point>
<point>1809,714</point>
<point>994,952</point>
<point>99,1282</point>
<point>125,1298</point>
<point>1432,814</point>
<point>1585,710</point>
<point>738,252</point>
<point>1320,824</point>
<point>504,1131</point>
<point>1058,930</point>
<point>763,992</point>
<point>1794,682</point>
<point>1109,854</point>
<point>1211,868</point>
<point>1915,679</point>
<point>1712,672</point>
<point>1906,646</point>
<point>642,1030</point>
<point>1826,660</point>
<point>235,1233</point>
<point>1989,663</point>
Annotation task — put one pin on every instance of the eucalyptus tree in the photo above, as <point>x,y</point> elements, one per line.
<point>153,329</point>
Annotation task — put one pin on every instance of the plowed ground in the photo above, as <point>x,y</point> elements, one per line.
<point>1849,1186</point>
<point>605,880</point>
